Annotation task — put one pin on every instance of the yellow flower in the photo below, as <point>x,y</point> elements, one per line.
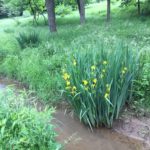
<point>85,82</point>
<point>93,67</point>
<point>68,88</point>
<point>93,85</point>
<point>74,62</point>
<point>125,69</point>
<point>106,96</point>
<point>74,88</point>
<point>95,81</point>
<point>103,70</point>
<point>107,85</point>
<point>68,83</point>
<point>92,73</point>
<point>108,88</point>
<point>66,76</point>
<point>104,62</point>
<point>72,92</point>
<point>86,88</point>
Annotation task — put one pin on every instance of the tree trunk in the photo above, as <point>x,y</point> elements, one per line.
<point>139,7</point>
<point>50,5</point>
<point>108,10</point>
<point>81,8</point>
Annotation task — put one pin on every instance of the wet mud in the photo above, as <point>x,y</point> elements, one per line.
<point>75,136</point>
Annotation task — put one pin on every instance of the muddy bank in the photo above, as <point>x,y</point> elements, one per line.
<point>136,128</point>
<point>128,133</point>
<point>4,82</point>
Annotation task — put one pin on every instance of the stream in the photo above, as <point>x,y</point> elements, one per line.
<point>125,135</point>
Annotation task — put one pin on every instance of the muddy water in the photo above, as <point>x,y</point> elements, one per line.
<point>4,82</point>
<point>75,136</point>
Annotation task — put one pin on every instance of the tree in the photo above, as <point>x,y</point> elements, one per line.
<point>108,10</point>
<point>36,7</point>
<point>136,3</point>
<point>15,7</point>
<point>81,8</point>
<point>50,5</point>
<point>1,8</point>
<point>139,7</point>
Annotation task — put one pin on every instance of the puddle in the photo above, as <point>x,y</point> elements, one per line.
<point>127,134</point>
<point>4,82</point>
<point>76,136</point>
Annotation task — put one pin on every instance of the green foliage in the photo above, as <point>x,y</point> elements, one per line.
<point>142,84</point>
<point>23,127</point>
<point>71,3</point>
<point>97,83</point>
<point>9,46</point>
<point>146,8</point>
<point>13,7</point>
<point>31,39</point>
<point>131,4</point>
<point>63,10</point>
<point>17,7</point>
<point>9,65</point>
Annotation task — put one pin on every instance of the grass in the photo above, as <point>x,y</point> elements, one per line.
<point>40,66</point>
<point>20,126</point>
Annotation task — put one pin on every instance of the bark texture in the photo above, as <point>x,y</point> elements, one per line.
<point>139,7</point>
<point>108,10</point>
<point>81,7</point>
<point>50,5</point>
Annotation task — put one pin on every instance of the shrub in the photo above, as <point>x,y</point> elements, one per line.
<point>3,54</point>
<point>146,8</point>
<point>31,39</point>
<point>142,84</point>
<point>97,83</point>
<point>63,10</point>
<point>23,127</point>
<point>9,65</point>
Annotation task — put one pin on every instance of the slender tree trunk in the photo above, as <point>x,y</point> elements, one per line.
<point>21,10</point>
<point>81,8</point>
<point>139,7</point>
<point>108,10</point>
<point>50,5</point>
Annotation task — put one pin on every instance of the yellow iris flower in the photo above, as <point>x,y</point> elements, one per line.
<point>68,83</point>
<point>93,67</point>
<point>74,88</point>
<point>74,62</point>
<point>85,82</point>
<point>68,88</point>
<point>66,76</point>
<point>104,62</point>
<point>95,81</point>
<point>106,96</point>
<point>103,70</point>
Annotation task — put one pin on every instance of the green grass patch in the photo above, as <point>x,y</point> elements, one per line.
<point>23,127</point>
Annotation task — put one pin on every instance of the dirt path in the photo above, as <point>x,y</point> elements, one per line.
<point>128,133</point>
